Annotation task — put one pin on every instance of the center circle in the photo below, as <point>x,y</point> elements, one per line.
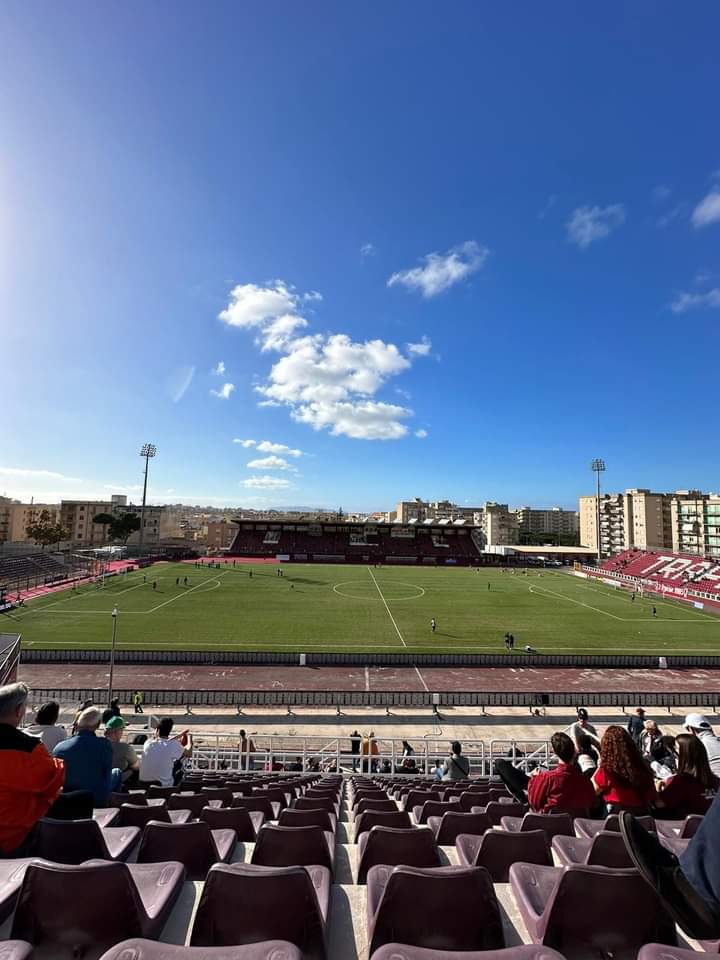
<point>362,590</point>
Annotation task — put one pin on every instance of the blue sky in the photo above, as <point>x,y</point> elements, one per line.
<point>441,250</point>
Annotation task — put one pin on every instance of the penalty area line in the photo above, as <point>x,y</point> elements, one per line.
<point>397,629</point>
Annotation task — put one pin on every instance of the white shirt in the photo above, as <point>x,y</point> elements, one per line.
<point>158,758</point>
<point>51,734</point>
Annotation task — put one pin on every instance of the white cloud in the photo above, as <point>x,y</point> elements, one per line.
<point>326,380</point>
<point>405,394</point>
<point>421,434</point>
<point>440,271</point>
<point>677,211</point>
<point>312,297</point>
<point>708,210</point>
<point>265,446</point>
<point>421,349</point>
<point>219,370</point>
<point>587,224</point>
<point>367,250</point>
<point>22,472</point>
<point>245,443</point>
<point>224,392</point>
<point>270,463</point>
<point>123,488</point>
<point>265,483</point>
<point>661,193</point>
<point>691,301</point>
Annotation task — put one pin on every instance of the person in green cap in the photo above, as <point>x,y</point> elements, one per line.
<point>124,757</point>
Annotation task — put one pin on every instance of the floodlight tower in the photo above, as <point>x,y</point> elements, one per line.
<point>598,467</point>
<point>147,451</point>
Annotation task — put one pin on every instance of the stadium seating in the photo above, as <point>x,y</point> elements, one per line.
<point>391,846</point>
<point>15,950</point>
<point>605,849</point>
<point>75,841</point>
<point>452,823</point>
<point>151,950</point>
<point>552,825</point>
<point>497,850</point>
<point>401,951</point>
<point>675,572</point>
<point>194,844</point>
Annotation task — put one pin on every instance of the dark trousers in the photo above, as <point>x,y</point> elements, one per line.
<point>701,861</point>
<point>511,775</point>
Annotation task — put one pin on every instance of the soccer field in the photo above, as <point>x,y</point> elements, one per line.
<point>314,608</point>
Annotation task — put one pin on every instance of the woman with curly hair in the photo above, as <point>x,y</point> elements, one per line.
<point>623,779</point>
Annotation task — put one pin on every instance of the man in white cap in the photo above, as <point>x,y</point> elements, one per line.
<point>699,726</point>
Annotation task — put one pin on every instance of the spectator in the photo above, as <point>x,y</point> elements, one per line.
<point>582,726</point>
<point>408,765</point>
<point>46,726</point>
<point>385,767</point>
<point>369,749</point>
<point>437,770</point>
<point>88,759</point>
<point>124,757</point>
<point>139,739</point>
<point>83,706</point>
<point>161,753</point>
<point>274,765</point>
<point>699,726</point>
<point>690,790</point>
<point>407,750</point>
<point>623,779</point>
<point>636,724</point>
<point>30,780</point>
<point>296,766</point>
<point>565,787</point>
<point>587,756</point>
<point>247,749</point>
<point>355,741</point>
<point>456,767</point>
<point>115,706</point>
<point>650,736</point>
<point>688,887</point>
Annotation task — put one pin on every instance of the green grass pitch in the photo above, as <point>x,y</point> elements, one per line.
<point>314,608</point>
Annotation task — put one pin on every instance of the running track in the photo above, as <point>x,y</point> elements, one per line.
<point>394,679</point>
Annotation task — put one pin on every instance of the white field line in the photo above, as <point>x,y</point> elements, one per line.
<point>422,680</point>
<point>103,613</point>
<point>648,601</point>
<point>186,593</point>
<point>387,607</point>
<point>605,613</point>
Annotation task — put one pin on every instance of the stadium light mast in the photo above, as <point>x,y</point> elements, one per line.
<point>598,467</point>
<point>148,450</point>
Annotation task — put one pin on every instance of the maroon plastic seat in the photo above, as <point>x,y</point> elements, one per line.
<point>106,816</point>
<point>553,825</point>
<point>414,798</point>
<point>432,808</point>
<point>152,950</point>
<point>218,793</point>
<point>381,818</point>
<point>274,795</point>
<point>245,823</point>
<point>294,846</point>
<point>134,796</point>
<point>11,877</point>
<point>15,950</point>
<point>449,827</point>
<point>626,912</point>
<point>497,851</point>
<point>132,816</point>
<point>391,846</point>
<point>159,792</point>
<point>74,841</point>
<point>194,844</point>
<point>244,903</point>
<point>368,803</point>
<point>401,951</point>
<point>682,829</point>
<point>452,908</point>
<point>659,951</point>
<point>469,799</point>
<point>497,810</point>
<point>588,828</point>
<point>307,818</point>
<point>315,803</point>
<point>605,849</point>
<point>368,795</point>
<point>194,802</point>
<point>270,810</point>
<point>94,905</point>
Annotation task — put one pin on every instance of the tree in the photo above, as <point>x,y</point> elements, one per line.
<point>119,526</point>
<point>45,531</point>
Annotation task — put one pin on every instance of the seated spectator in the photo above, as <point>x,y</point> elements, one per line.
<point>46,726</point>
<point>407,750</point>
<point>274,765</point>
<point>30,780</point>
<point>408,765</point>
<point>437,770</point>
<point>296,766</point>
<point>565,787</point>
<point>456,767</point>
<point>582,726</point>
<point>623,779</point>
<point>162,752</point>
<point>88,759</point>
<point>385,767</point>
<point>699,726</point>
<point>649,738</point>
<point>124,757</point>
<point>587,756</point>
<point>636,724</point>
<point>692,787</point>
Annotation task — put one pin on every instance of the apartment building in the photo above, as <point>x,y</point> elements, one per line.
<point>418,510</point>
<point>555,521</point>
<point>499,524</point>
<point>695,523</point>
<point>220,534</point>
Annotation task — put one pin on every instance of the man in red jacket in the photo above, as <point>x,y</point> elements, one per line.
<point>30,779</point>
<point>563,788</point>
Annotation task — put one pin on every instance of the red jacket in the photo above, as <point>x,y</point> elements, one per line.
<point>563,787</point>
<point>30,781</point>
